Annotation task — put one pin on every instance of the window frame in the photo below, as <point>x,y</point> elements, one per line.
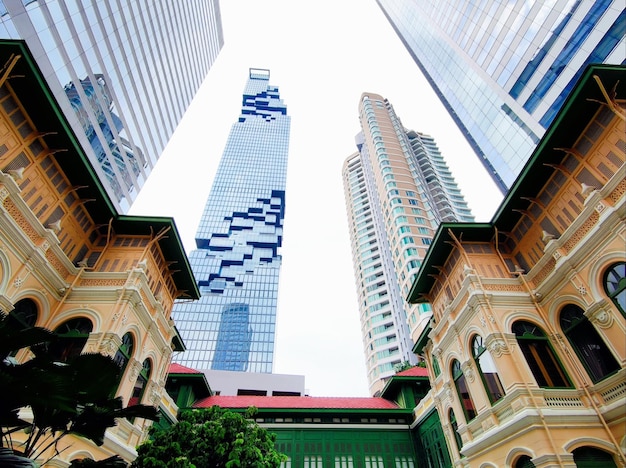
<point>614,285</point>
<point>469,411</point>
<point>592,351</point>
<point>523,461</point>
<point>142,378</point>
<point>73,339</point>
<point>455,429</point>
<point>124,353</point>
<point>530,335</point>
<point>26,312</point>
<point>24,315</point>
<point>436,368</point>
<point>589,456</point>
<point>479,350</point>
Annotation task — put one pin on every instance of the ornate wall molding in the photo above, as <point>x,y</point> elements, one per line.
<point>56,263</point>
<point>504,287</point>
<point>449,394</point>
<point>110,344</point>
<point>498,345</point>
<point>135,367</point>
<point>153,393</point>
<point>468,370</point>
<point>18,281</point>
<point>102,282</point>
<point>581,232</point>
<point>20,220</point>
<point>599,316</point>
<point>498,348</point>
<point>618,193</point>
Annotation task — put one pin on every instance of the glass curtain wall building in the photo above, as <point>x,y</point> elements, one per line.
<point>398,189</point>
<point>504,68</point>
<point>123,72</point>
<point>237,261</point>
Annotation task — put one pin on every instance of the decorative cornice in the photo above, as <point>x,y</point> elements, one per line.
<point>110,343</point>
<point>498,344</point>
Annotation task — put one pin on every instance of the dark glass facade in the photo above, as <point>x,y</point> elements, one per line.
<point>237,260</point>
<point>503,69</point>
<point>123,72</point>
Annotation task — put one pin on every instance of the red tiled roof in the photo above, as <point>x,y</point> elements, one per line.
<point>415,371</point>
<point>295,402</point>
<point>178,369</point>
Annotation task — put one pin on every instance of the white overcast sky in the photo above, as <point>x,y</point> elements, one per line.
<point>322,55</point>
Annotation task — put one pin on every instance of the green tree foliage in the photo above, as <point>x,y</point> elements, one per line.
<point>71,397</point>
<point>402,366</point>
<point>112,462</point>
<point>211,437</point>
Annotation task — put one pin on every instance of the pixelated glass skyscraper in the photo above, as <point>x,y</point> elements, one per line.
<point>237,261</point>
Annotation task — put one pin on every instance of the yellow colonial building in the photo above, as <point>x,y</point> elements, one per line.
<point>527,345</point>
<point>69,262</point>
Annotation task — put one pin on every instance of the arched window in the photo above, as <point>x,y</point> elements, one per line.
<point>463,391</point>
<point>140,383</point>
<point>25,312</point>
<point>24,315</point>
<point>125,352</point>
<point>591,457</point>
<point>436,368</point>
<point>455,428</point>
<point>584,338</point>
<point>539,355</point>
<point>73,334</point>
<point>615,285</point>
<point>523,461</point>
<point>487,369</point>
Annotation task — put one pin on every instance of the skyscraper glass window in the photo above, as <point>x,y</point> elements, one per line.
<point>398,188</point>
<point>504,68</point>
<point>237,260</point>
<point>124,72</point>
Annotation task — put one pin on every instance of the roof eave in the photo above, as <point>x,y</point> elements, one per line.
<point>422,340</point>
<point>396,381</point>
<point>171,246</point>
<point>199,383</point>
<point>438,252</point>
<point>585,99</point>
<point>398,411</point>
<point>43,108</point>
